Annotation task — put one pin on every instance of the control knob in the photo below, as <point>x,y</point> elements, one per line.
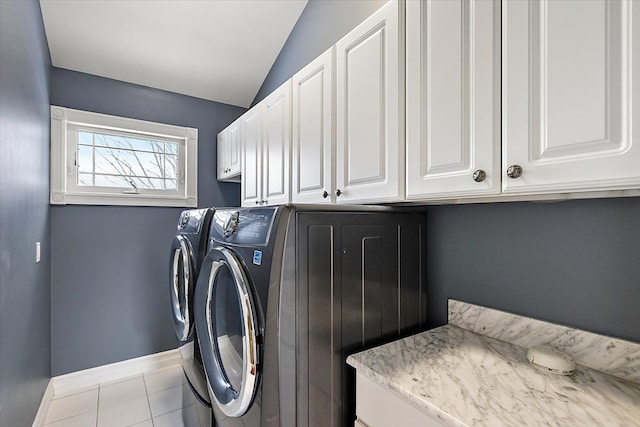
<point>231,224</point>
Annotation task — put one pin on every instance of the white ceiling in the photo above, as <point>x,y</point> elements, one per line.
<point>219,50</point>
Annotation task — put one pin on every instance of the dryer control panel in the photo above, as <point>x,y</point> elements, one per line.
<point>245,227</point>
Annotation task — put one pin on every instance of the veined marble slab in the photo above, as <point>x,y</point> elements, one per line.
<point>599,352</point>
<point>467,379</point>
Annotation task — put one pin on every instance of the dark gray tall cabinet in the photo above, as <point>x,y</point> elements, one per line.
<point>359,281</point>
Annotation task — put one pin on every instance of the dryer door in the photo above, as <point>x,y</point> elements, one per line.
<point>227,324</point>
<point>182,283</point>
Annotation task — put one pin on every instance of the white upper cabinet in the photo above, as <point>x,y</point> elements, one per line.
<point>265,133</point>
<point>251,139</point>
<point>229,152</point>
<point>234,149</point>
<point>571,97</point>
<point>453,95</point>
<point>222,149</point>
<point>276,146</point>
<point>369,109</point>
<point>313,132</point>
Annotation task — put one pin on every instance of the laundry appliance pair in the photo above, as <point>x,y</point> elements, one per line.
<point>285,294</point>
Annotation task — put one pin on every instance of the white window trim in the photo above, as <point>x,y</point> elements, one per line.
<point>63,190</point>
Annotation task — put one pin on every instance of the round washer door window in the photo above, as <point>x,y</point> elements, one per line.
<point>182,280</point>
<point>226,323</point>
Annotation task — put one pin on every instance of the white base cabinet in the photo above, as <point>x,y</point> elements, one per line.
<point>379,407</point>
<point>571,95</point>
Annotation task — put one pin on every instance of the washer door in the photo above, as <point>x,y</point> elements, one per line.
<point>226,323</point>
<point>182,281</point>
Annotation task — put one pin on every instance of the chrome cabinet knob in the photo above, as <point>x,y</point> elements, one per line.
<point>325,194</point>
<point>257,202</point>
<point>514,171</point>
<point>338,192</point>
<point>479,175</point>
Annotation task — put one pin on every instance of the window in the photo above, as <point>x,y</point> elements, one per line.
<point>107,160</point>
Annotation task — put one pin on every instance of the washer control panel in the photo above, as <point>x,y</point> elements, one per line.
<point>247,227</point>
<point>190,221</point>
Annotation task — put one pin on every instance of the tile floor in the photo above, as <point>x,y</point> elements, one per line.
<point>152,399</point>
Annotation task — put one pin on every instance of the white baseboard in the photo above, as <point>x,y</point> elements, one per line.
<point>90,378</point>
<point>41,415</point>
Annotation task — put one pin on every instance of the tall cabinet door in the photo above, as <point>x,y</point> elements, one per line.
<point>233,148</point>
<point>276,146</point>
<point>222,150</point>
<point>313,132</point>
<point>369,107</point>
<point>570,95</point>
<point>453,98</point>
<point>251,137</point>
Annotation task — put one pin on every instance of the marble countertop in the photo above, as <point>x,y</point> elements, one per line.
<point>463,378</point>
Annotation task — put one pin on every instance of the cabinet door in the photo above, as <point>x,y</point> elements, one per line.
<point>570,95</point>
<point>251,136</point>
<point>453,94</point>
<point>276,146</point>
<point>369,107</point>
<point>312,138</point>
<point>233,149</point>
<point>378,407</point>
<point>222,150</point>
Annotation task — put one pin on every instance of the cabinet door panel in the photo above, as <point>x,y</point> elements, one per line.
<point>453,88</point>
<point>370,140</point>
<point>364,111</point>
<point>568,74</point>
<point>221,149</point>
<point>233,148</point>
<point>251,135</point>
<point>277,145</point>
<point>312,139</point>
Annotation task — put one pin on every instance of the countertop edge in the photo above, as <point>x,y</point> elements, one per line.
<point>421,404</point>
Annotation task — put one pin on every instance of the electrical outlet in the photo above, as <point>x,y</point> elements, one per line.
<point>37,251</point>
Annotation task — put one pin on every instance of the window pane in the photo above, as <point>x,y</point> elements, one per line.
<point>85,138</point>
<point>112,181</point>
<point>85,159</point>
<point>170,167</point>
<point>85,179</point>
<point>171,147</point>
<point>129,143</point>
<point>124,162</point>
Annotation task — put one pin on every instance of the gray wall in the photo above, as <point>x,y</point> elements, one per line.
<point>110,268</point>
<point>321,24</point>
<point>575,263</point>
<point>25,333</point>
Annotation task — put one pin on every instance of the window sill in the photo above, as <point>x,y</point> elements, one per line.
<point>121,200</point>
